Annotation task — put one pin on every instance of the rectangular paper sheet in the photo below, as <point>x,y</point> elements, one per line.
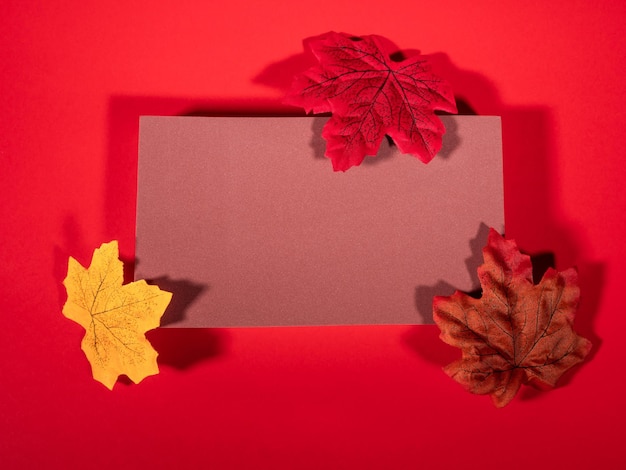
<point>246,223</point>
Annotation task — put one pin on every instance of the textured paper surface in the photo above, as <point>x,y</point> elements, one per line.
<point>245,222</point>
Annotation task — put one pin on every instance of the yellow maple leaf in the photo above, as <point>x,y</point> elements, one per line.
<point>115,316</point>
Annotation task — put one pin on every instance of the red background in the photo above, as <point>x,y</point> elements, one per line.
<point>75,76</point>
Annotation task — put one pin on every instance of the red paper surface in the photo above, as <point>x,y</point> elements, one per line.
<point>74,79</point>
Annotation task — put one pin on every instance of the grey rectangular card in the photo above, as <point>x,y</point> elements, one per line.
<point>245,222</point>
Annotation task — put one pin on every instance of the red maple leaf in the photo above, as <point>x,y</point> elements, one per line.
<point>370,95</point>
<point>517,332</point>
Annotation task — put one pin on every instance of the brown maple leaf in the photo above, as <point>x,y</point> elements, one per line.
<point>115,316</point>
<point>517,332</point>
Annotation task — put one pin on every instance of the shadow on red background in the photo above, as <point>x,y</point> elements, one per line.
<point>71,244</point>
<point>182,348</point>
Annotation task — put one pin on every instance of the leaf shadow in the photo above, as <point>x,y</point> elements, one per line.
<point>182,348</point>
<point>317,142</point>
<point>592,276</point>
<point>280,74</point>
<point>424,341</point>
<point>451,140</point>
<point>72,245</point>
<point>129,265</point>
<point>424,294</point>
<point>184,293</point>
<point>424,299</point>
<point>476,254</point>
<point>386,151</point>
